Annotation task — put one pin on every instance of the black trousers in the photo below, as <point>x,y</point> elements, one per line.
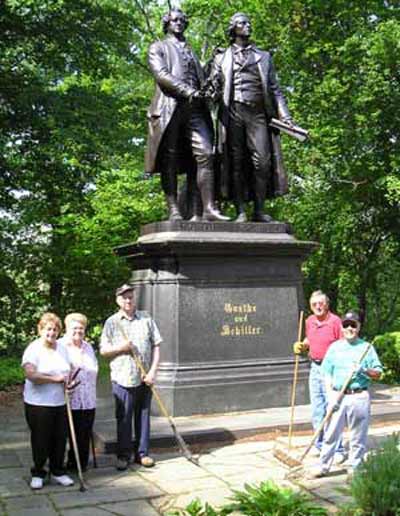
<point>48,426</point>
<point>188,129</point>
<point>248,136</point>
<point>83,424</point>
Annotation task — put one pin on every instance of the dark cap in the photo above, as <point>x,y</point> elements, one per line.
<point>123,288</point>
<point>351,316</point>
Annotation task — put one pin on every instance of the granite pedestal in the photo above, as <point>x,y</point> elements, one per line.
<point>226,298</point>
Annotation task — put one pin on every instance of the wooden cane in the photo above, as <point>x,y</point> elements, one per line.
<point>82,487</point>
<point>295,375</point>
<point>93,449</point>
<point>72,429</point>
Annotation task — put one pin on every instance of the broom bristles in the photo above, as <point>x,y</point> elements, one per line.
<point>286,458</point>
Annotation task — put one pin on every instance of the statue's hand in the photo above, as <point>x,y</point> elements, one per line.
<point>196,96</point>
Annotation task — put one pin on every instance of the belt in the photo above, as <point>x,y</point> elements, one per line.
<point>318,362</point>
<point>352,391</point>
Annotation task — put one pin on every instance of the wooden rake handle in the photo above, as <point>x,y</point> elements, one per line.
<point>295,376</point>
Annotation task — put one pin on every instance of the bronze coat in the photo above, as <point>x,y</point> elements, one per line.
<point>165,64</point>
<point>274,104</point>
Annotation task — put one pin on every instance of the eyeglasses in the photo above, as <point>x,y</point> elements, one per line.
<point>350,324</point>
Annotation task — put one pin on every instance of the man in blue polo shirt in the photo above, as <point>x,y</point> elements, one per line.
<point>343,356</point>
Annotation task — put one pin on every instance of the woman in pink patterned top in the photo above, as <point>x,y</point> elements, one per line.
<point>83,397</point>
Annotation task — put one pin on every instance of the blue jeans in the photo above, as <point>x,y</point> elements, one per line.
<point>132,402</point>
<point>319,403</point>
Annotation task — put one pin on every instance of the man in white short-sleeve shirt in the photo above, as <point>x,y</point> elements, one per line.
<point>131,390</point>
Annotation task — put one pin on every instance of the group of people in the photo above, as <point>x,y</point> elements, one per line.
<point>64,370</point>
<point>241,82</point>
<point>50,364</point>
<point>338,355</point>
<point>333,344</point>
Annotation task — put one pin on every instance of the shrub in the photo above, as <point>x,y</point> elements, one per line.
<point>376,485</point>
<point>388,348</point>
<point>11,372</point>
<point>271,500</point>
<point>268,499</point>
<point>195,508</point>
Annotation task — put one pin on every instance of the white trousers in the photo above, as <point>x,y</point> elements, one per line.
<point>354,411</point>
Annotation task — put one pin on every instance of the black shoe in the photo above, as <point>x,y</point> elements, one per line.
<point>262,217</point>
<point>122,464</point>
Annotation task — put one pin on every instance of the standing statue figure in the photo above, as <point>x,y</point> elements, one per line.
<point>180,127</point>
<point>249,96</point>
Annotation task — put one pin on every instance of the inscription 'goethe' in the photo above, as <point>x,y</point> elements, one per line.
<point>241,324</point>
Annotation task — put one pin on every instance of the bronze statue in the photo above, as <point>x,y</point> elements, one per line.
<point>244,80</point>
<point>180,127</point>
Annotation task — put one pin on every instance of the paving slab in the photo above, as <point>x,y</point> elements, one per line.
<point>181,468</point>
<point>34,505</point>
<point>189,486</point>
<point>101,495</point>
<point>14,481</point>
<point>88,511</point>
<point>133,508</point>
<point>214,496</point>
<point>9,459</point>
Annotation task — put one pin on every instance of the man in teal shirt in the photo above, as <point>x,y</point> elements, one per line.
<point>354,409</point>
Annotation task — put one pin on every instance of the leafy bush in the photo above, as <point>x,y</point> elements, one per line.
<point>376,485</point>
<point>195,508</point>
<point>388,348</point>
<point>271,500</point>
<point>268,499</point>
<point>11,372</point>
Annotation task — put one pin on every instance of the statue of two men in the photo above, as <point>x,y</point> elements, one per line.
<point>181,138</point>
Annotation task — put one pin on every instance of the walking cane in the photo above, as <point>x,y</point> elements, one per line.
<point>93,449</point>
<point>179,439</point>
<point>82,487</point>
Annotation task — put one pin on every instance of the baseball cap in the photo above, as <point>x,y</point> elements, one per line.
<point>124,288</point>
<point>351,316</point>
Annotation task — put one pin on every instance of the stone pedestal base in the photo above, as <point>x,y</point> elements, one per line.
<point>226,298</point>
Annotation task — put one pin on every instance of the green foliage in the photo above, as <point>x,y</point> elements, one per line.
<point>11,372</point>
<point>196,508</point>
<point>74,92</point>
<point>270,500</point>
<point>267,499</point>
<point>376,485</point>
<point>388,349</point>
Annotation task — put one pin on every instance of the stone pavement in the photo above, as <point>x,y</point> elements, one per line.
<point>172,483</point>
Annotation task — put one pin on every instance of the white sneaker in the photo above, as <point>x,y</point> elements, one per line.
<point>36,483</point>
<point>63,480</point>
<point>340,458</point>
